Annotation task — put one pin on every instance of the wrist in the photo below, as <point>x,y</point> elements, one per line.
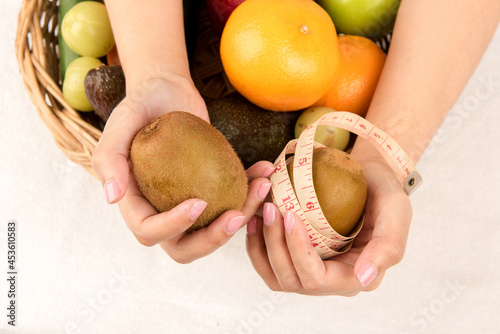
<point>371,160</point>
<point>146,73</point>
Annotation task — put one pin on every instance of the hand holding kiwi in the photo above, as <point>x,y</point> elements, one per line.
<point>111,164</point>
<point>179,160</point>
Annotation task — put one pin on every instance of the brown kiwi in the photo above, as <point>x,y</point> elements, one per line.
<point>179,156</point>
<point>340,185</point>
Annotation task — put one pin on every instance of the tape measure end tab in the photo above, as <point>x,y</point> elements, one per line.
<point>412,182</point>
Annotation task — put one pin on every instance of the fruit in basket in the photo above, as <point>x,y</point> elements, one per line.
<point>361,64</point>
<point>327,135</point>
<point>219,12</point>
<point>340,185</point>
<point>87,30</point>
<point>282,55</point>
<point>256,134</point>
<point>73,87</point>
<point>369,18</point>
<point>113,58</point>
<point>66,55</point>
<point>105,89</point>
<point>179,156</point>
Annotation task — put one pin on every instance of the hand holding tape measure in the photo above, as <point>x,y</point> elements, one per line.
<point>325,240</point>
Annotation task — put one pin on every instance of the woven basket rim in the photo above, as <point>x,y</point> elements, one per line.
<point>36,46</point>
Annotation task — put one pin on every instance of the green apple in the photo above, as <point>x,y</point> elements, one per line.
<point>369,18</point>
<point>327,135</point>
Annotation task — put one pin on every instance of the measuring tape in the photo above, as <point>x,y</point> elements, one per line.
<point>304,201</point>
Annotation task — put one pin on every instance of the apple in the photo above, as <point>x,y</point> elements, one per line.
<point>219,11</point>
<point>369,18</point>
<point>327,135</point>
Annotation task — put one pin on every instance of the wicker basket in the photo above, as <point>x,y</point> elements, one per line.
<point>77,134</point>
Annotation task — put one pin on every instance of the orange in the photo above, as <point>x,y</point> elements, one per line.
<point>282,55</point>
<point>361,63</point>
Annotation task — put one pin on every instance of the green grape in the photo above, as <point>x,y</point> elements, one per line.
<point>327,135</point>
<point>87,31</point>
<point>73,86</point>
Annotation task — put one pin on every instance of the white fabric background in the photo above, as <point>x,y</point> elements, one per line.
<point>80,267</point>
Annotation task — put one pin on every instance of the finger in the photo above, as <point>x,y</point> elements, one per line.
<point>260,169</point>
<point>316,276</point>
<point>257,252</point>
<point>151,227</point>
<point>257,193</point>
<point>277,250</point>
<point>192,246</point>
<point>388,243</point>
<point>110,157</point>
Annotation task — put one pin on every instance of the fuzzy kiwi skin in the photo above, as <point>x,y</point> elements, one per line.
<point>179,156</point>
<point>340,185</point>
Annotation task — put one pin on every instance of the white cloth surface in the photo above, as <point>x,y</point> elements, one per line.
<point>82,271</point>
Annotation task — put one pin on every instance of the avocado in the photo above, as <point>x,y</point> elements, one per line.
<point>105,89</point>
<point>256,134</point>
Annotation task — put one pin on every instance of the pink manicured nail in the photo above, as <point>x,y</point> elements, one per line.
<point>111,191</point>
<point>197,209</point>
<point>269,213</point>
<point>366,274</point>
<point>289,221</point>
<point>252,226</point>
<point>234,224</point>
<point>263,190</point>
<point>268,171</point>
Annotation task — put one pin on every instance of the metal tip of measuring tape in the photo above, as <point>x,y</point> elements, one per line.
<point>412,182</point>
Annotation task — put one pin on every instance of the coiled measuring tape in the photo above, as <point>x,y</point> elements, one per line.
<point>304,201</point>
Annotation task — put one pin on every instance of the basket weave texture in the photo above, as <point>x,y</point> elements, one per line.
<point>75,133</point>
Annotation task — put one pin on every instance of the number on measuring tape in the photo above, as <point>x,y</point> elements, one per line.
<point>304,202</point>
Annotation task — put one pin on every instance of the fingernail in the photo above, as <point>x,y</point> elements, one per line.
<point>252,226</point>
<point>269,171</point>
<point>289,221</point>
<point>263,190</point>
<point>366,274</point>
<point>269,213</point>
<point>197,209</point>
<point>111,191</point>
<point>234,224</point>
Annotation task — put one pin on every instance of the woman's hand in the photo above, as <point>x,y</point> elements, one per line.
<point>280,250</point>
<point>154,97</point>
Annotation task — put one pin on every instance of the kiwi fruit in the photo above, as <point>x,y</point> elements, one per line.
<point>340,185</point>
<point>179,156</point>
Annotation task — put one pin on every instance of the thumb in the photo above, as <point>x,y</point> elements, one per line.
<point>388,243</point>
<point>110,157</point>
